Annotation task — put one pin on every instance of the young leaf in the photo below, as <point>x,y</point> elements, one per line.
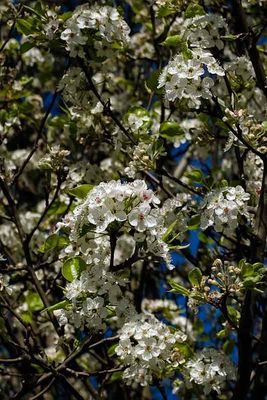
<point>233,313</point>
<point>194,222</point>
<point>172,41</point>
<point>193,10</point>
<point>34,301</point>
<point>170,130</point>
<point>164,11</point>
<point>26,47</point>
<point>72,268</point>
<point>152,81</point>
<point>177,288</point>
<point>169,230</point>
<point>115,376</point>
<point>195,276</point>
<point>195,175</point>
<point>58,306</point>
<point>80,191</point>
<point>231,37</point>
<point>111,350</point>
<point>54,242</point>
<point>179,246</point>
<point>57,208</point>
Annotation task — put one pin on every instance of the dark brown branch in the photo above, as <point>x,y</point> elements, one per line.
<point>251,44</point>
<point>43,391</point>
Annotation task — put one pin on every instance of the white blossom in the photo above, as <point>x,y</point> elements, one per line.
<point>184,77</point>
<point>146,348</point>
<point>104,19</point>
<point>222,208</point>
<point>210,368</point>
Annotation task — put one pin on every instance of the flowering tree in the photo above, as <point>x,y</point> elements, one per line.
<point>133,211</point>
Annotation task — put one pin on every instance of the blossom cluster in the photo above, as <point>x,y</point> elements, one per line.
<point>204,31</point>
<point>102,23</point>
<point>142,159</point>
<point>147,349</point>
<point>134,208</point>
<point>254,175</point>
<point>95,298</point>
<point>186,77</point>
<point>129,211</point>
<point>171,312</point>
<point>75,87</point>
<point>224,278</point>
<point>211,369</point>
<point>116,201</point>
<point>222,207</point>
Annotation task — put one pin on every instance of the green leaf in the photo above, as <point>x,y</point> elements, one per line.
<point>259,267</point>
<point>233,313</point>
<point>58,306</point>
<point>57,208</point>
<point>37,10</point>
<point>26,316</point>
<point>193,10</point>
<point>177,288</point>
<point>115,376</point>
<point>252,281</point>
<point>185,349</point>
<point>195,276</point>
<point>81,191</point>
<point>251,274</point>
<point>26,46</point>
<point>170,130</point>
<point>195,175</point>
<point>165,11</point>
<point>173,41</point>
<point>26,26</point>
<point>179,246</point>
<point>169,230</point>
<point>204,238</point>
<point>194,222</point>
<point>65,15</point>
<point>186,53</point>
<point>152,81</point>
<point>231,37</point>
<point>222,334</point>
<point>111,350</point>
<point>86,228</point>
<point>54,242</point>
<point>72,268</point>
<point>34,301</point>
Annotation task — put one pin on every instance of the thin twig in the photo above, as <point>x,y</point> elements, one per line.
<point>11,360</point>
<point>40,394</point>
<point>38,137</point>
<point>11,29</point>
<point>106,105</point>
<point>181,183</point>
<point>47,208</point>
